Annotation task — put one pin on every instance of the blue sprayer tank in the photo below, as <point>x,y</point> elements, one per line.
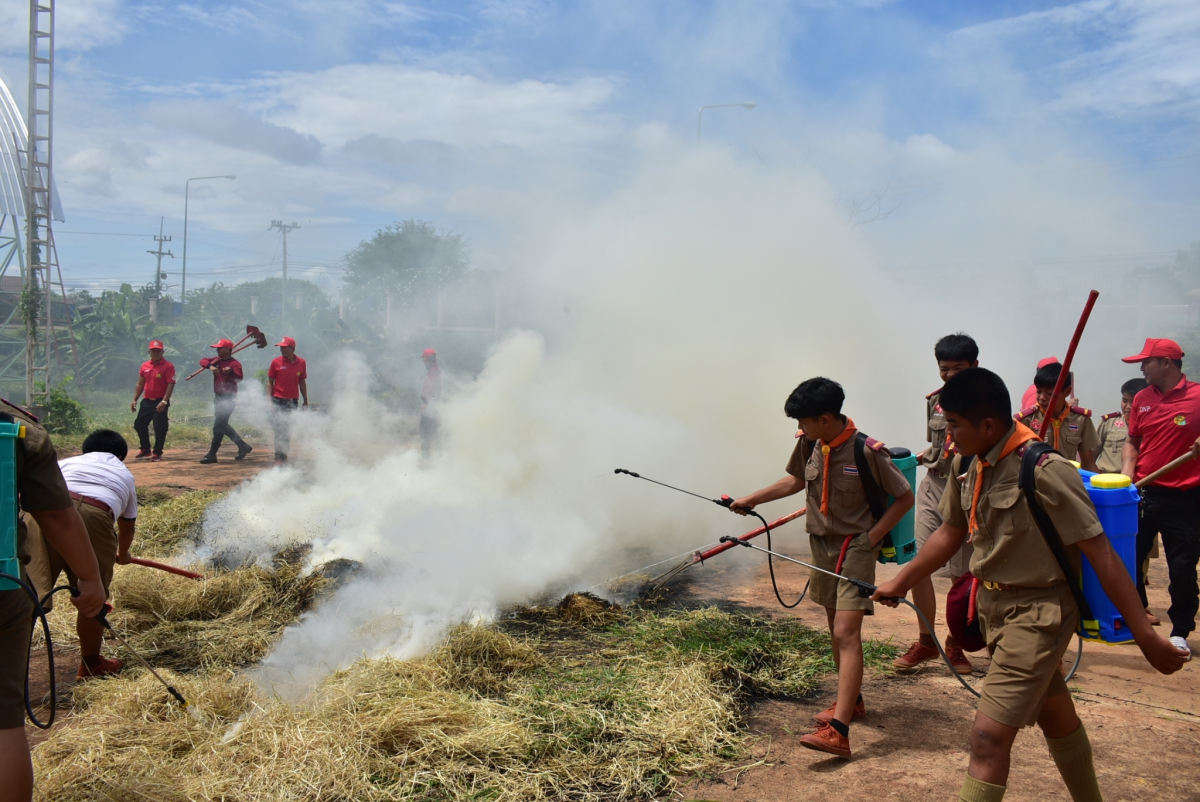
<point>900,545</point>
<point>1116,502</point>
<point>10,432</point>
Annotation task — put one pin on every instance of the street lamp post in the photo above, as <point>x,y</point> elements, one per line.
<point>700,117</point>
<point>186,188</point>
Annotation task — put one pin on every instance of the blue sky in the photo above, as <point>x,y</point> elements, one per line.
<point>346,116</point>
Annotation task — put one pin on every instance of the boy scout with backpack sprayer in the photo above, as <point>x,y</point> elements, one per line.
<point>1072,432</point>
<point>844,535</point>
<point>1026,604</point>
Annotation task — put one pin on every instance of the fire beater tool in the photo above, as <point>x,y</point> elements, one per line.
<point>1164,470</point>
<point>727,503</point>
<point>252,332</point>
<point>103,619</point>
<point>1066,365</point>
<point>170,569</point>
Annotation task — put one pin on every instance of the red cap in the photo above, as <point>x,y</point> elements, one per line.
<point>428,352</point>
<point>1050,360</point>
<point>288,341</point>
<point>155,344</point>
<point>222,343</point>
<point>1157,347</point>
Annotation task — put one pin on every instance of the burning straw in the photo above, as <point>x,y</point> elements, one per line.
<point>583,701</point>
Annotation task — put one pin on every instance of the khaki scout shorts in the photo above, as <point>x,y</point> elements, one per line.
<point>929,518</point>
<point>859,564</point>
<point>16,626</point>
<point>45,564</point>
<point>1027,631</point>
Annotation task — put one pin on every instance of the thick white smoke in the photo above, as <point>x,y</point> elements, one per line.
<point>673,317</point>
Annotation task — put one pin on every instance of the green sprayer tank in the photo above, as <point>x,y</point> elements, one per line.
<point>900,545</point>
<point>10,431</point>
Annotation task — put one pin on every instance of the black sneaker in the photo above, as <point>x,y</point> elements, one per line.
<point>208,459</point>
<point>243,450</point>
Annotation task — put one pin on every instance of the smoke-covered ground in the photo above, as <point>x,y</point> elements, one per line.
<point>668,321</point>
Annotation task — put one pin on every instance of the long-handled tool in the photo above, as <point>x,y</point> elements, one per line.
<point>259,339</point>
<point>103,619</point>
<point>1048,412</point>
<point>866,590</point>
<point>1164,470</point>
<point>698,556</point>
<point>170,569</point>
<point>727,503</point>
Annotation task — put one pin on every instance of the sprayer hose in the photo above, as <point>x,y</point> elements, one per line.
<point>771,568</point>
<point>39,614</point>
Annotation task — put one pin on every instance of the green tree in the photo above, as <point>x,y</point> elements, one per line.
<point>411,260</point>
<point>112,337</point>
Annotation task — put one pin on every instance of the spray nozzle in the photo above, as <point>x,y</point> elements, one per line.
<point>737,541</point>
<point>629,473</point>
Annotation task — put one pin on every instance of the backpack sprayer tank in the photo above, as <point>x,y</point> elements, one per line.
<point>10,431</point>
<point>1116,503</point>
<point>900,545</point>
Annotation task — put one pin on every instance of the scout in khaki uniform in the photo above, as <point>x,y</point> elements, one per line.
<point>1114,428</point>
<point>1026,609</point>
<point>44,497</point>
<point>1071,431</point>
<point>954,353</point>
<point>843,536</point>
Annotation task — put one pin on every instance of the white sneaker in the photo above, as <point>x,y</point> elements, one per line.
<point>1181,643</point>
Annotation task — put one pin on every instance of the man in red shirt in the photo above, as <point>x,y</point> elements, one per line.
<point>1164,423</point>
<point>288,378</point>
<point>157,379</point>
<point>430,390</point>
<point>227,372</point>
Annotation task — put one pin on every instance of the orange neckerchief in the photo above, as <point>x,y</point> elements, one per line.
<point>1055,423</point>
<point>1022,434</point>
<point>846,434</point>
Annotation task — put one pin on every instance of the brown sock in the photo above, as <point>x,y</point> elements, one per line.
<point>1073,756</point>
<point>974,790</point>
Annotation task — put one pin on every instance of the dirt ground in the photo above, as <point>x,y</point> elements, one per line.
<point>1144,727</point>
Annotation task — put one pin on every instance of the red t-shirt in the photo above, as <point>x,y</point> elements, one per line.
<point>287,376</point>
<point>1168,425</point>
<point>225,381</point>
<point>157,375</point>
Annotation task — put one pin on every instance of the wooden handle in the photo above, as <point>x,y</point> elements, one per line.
<point>168,568</point>
<point>1164,470</point>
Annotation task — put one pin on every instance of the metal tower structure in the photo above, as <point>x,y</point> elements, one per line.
<point>49,340</point>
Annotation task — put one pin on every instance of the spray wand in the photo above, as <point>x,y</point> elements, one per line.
<point>103,619</point>
<point>726,502</point>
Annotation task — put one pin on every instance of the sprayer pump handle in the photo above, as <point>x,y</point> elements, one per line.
<point>102,616</point>
<point>725,502</point>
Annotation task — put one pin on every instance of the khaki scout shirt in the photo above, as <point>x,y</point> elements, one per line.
<point>1009,547</point>
<point>1112,432</point>
<point>1076,434</point>
<point>40,484</point>
<point>849,512</point>
<point>935,458</point>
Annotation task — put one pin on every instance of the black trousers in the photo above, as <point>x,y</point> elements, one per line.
<point>223,406</point>
<point>428,426</point>
<point>1176,515</point>
<point>147,412</point>
<point>281,410</point>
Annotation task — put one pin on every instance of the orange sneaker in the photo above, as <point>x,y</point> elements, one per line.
<point>957,659</point>
<point>915,655</point>
<point>826,716</point>
<point>827,739</point>
<point>108,665</point>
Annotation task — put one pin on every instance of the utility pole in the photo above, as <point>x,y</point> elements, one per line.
<point>158,274</point>
<point>283,229</point>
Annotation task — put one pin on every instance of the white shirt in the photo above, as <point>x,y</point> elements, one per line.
<point>103,477</point>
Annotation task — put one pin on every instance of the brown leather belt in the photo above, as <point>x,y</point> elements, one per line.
<point>95,502</point>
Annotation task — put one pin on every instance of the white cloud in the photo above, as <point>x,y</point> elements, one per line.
<point>227,124</point>
<point>1130,55</point>
<point>81,25</point>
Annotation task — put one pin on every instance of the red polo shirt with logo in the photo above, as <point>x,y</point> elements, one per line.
<point>287,376</point>
<point>1168,424</point>
<point>157,375</point>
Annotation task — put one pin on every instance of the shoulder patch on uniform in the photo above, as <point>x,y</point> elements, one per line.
<point>1111,415</point>
<point>935,392</point>
<point>22,410</point>
<point>874,444</point>
<point>1087,413</point>
<point>1025,413</point>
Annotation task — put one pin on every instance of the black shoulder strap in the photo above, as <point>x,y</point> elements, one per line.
<point>1033,455</point>
<point>875,496</point>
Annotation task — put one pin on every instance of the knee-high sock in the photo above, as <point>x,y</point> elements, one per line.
<point>974,790</point>
<point>1073,756</point>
